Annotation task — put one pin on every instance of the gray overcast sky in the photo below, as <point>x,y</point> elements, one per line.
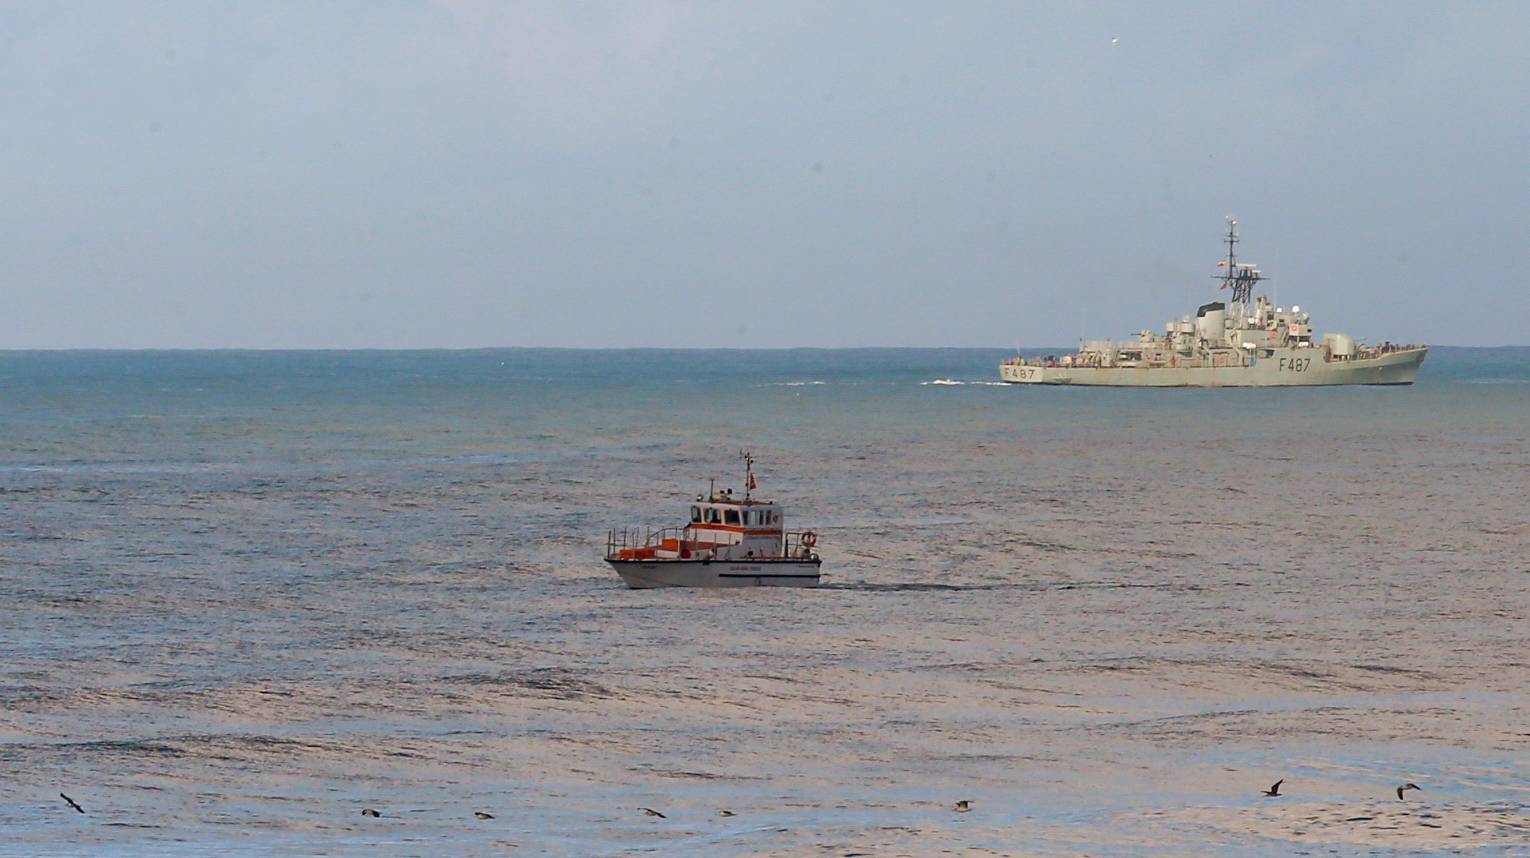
<point>476,173</point>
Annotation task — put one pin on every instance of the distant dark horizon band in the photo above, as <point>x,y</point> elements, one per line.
<point>582,349</point>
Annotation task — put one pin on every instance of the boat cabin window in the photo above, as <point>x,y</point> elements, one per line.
<point>711,515</point>
<point>695,514</point>
<point>730,516</point>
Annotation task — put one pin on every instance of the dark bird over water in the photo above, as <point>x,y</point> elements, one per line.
<point>1406,787</point>
<point>963,806</point>
<point>481,815</point>
<point>1274,790</point>
<point>76,806</point>
<point>651,812</point>
<point>725,813</point>
<point>370,812</point>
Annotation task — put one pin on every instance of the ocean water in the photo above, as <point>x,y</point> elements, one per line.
<point>245,595</point>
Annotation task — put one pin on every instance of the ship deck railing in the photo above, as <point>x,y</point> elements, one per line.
<point>1151,359</point>
<point>1373,352</point>
<point>637,543</point>
<point>628,538</point>
<point>791,544</point>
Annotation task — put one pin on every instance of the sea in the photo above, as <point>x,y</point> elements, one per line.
<point>247,595</point>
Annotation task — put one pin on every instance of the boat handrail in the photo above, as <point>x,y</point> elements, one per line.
<point>648,537</point>
<point>792,546</point>
<point>682,538</point>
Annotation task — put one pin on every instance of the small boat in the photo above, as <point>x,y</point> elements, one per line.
<point>729,542</point>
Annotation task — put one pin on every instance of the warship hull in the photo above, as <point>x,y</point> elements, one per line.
<point>1302,367</point>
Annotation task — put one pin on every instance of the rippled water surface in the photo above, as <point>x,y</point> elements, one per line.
<point>244,596</point>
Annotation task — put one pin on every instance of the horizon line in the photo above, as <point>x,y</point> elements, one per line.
<point>395,349</point>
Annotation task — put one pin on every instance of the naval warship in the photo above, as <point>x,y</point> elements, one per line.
<point>1243,342</point>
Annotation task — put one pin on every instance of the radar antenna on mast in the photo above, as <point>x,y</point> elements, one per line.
<point>1240,278</point>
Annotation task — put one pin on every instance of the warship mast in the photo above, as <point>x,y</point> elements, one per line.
<point>1240,279</point>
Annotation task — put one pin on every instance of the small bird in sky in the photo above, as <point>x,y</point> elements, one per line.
<point>963,806</point>
<point>726,813</point>
<point>1115,40</point>
<point>1406,787</point>
<point>72,802</point>
<point>481,815</point>
<point>370,812</point>
<point>1274,790</point>
<point>651,812</point>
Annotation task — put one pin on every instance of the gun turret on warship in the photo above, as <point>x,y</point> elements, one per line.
<point>1244,342</point>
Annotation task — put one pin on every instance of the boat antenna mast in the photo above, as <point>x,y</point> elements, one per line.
<point>748,472</point>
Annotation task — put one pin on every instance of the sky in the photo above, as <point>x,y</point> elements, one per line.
<point>467,173</point>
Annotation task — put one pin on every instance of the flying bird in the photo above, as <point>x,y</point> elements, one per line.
<point>1115,40</point>
<point>370,812</point>
<point>651,812</point>
<point>481,815</point>
<point>1274,790</point>
<point>726,813</point>
<point>1406,787</point>
<point>72,802</point>
<point>963,806</point>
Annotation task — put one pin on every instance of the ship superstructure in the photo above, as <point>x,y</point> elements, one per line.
<point>1245,341</point>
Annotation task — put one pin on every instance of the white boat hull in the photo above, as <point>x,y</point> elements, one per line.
<point>645,574</point>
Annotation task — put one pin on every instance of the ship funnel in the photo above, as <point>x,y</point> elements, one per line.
<point>1211,321</point>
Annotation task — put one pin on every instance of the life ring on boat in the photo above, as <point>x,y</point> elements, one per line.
<point>809,539</point>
